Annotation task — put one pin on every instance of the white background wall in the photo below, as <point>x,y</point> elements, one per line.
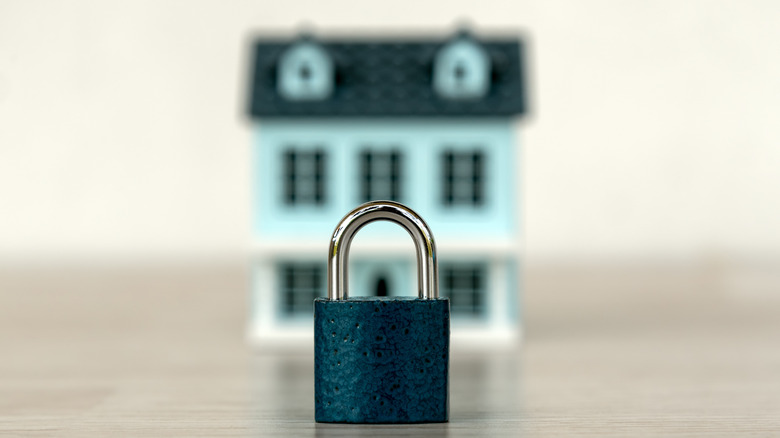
<point>654,130</point>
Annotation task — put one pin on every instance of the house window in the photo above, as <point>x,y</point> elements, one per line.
<point>380,174</point>
<point>305,72</point>
<point>304,177</point>
<point>463,178</point>
<point>300,284</point>
<point>465,286</point>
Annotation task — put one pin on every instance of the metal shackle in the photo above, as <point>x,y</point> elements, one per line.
<point>427,263</point>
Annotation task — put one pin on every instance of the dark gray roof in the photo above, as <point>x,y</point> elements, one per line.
<point>389,78</point>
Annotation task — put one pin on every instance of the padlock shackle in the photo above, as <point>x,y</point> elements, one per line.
<point>338,253</point>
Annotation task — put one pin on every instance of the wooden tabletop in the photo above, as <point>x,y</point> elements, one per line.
<point>619,351</point>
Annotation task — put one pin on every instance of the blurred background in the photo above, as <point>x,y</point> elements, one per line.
<point>650,202</point>
<point>651,137</point>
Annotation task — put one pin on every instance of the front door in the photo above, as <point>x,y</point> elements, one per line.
<point>386,278</point>
<point>382,285</point>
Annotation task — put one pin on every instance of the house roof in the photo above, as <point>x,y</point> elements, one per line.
<point>388,78</point>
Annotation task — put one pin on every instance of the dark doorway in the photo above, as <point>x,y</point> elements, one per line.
<point>382,286</point>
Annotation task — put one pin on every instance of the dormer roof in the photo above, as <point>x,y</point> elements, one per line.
<point>304,72</point>
<point>462,69</point>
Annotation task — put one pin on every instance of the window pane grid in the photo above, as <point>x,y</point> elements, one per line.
<point>380,175</point>
<point>463,178</point>
<point>304,177</point>
<point>465,287</point>
<point>301,283</point>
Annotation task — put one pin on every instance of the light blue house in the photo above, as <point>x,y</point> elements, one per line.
<point>428,123</point>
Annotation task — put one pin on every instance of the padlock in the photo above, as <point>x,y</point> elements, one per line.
<point>382,360</point>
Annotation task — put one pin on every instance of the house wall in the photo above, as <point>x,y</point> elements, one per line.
<point>300,234</point>
<point>499,322</point>
<point>421,144</point>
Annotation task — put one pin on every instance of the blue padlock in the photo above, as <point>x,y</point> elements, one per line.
<point>382,360</point>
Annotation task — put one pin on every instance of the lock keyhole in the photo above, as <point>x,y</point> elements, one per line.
<point>381,286</point>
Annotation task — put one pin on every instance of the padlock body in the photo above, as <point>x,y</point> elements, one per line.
<point>381,360</point>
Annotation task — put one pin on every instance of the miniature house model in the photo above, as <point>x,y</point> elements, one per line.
<point>425,122</point>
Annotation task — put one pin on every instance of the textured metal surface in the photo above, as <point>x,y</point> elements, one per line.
<point>383,78</point>
<point>338,252</point>
<point>381,360</point>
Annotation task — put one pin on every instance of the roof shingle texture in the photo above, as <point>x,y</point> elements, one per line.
<point>388,79</point>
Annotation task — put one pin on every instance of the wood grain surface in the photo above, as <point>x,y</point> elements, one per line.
<point>611,351</point>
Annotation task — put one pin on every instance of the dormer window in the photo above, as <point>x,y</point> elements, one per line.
<point>305,72</point>
<point>461,70</point>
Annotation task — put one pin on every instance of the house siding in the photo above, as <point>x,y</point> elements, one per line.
<point>421,145</point>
